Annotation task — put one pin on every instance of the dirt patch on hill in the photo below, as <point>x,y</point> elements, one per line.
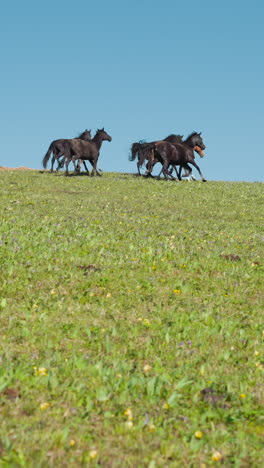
<point>16,169</point>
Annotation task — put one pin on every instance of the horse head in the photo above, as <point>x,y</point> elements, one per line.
<point>86,135</point>
<point>197,139</point>
<point>196,142</point>
<point>103,134</point>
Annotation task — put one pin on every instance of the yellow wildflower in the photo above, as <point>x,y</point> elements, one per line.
<point>40,371</point>
<point>198,434</point>
<point>93,454</point>
<point>242,395</point>
<point>216,456</point>
<point>128,413</point>
<point>176,291</point>
<point>152,427</point>
<point>72,443</point>
<point>44,405</point>
<point>129,424</point>
<point>166,406</point>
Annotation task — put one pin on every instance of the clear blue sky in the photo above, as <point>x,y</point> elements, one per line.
<point>142,69</point>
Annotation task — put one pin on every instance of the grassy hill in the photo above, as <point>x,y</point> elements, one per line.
<point>131,322</point>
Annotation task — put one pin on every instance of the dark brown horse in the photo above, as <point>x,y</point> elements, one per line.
<point>57,147</point>
<point>86,150</point>
<point>179,154</point>
<point>145,151</point>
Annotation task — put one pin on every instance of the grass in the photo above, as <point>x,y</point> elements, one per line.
<point>131,326</point>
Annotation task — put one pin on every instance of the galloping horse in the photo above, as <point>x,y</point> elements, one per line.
<point>179,154</point>
<point>145,151</point>
<point>58,147</point>
<point>86,150</point>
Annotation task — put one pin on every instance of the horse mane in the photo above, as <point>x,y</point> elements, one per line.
<point>83,134</point>
<point>173,138</point>
<point>191,135</point>
<point>173,135</point>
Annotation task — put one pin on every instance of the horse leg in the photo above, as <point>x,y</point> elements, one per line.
<point>198,169</point>
<point>84,163</point>
<point>148,169</point>
<point>187,170</point>
<point>139,166</point>
<point>141,159</point>
<point>61,163</point>
<point>67,162</point>
<point>77,167</point>
<point>68,159</point>
<point>56,155</point>
<point>165,170</point>
<point>177,173</point>
<point>52,163</point>
<point>161,171</point>
<point>170,171</point>
<point>151,163</point>
<point>94,171</point>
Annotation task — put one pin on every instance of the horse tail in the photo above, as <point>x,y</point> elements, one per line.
<point>143,148</point>
<point>135,147</point>
<point>47,156</point>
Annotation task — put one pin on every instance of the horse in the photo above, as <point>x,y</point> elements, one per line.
<point>179,154</point>
<point>57,147</point>
<point>144,150</point>
<point>86,150</point>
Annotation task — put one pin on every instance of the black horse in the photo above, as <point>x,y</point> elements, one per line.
<point>179,154</point>
<point>58,147</point>
<point>86,150</point>
<point>145,151</point>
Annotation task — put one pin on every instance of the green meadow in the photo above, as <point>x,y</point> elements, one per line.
<point>131,322</point>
